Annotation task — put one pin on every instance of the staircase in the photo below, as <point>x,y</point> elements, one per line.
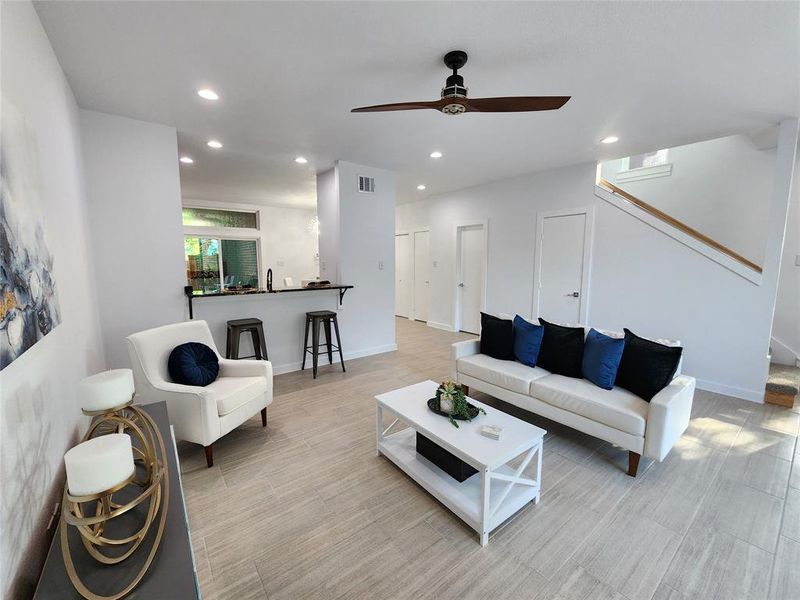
<point>783,385</point>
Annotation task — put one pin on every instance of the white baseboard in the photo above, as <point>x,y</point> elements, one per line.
<point>442,326</point>
<point>323,359</point>
<point>727,390</point>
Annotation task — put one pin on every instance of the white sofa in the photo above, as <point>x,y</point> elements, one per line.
<point>617,415</point>
<point>199,414</point>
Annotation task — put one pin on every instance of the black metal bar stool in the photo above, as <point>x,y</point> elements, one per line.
<point>314,319</point>
<point>236,328</point>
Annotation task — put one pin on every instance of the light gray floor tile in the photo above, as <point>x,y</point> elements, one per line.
<point>791,515</point>
<point>742,511</point>
<point>714,565</point>
<point>786,577</point>
<point>630,553</point>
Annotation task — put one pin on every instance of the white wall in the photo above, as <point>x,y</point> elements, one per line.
<point>365,257</point>
<point>786,324</point>
<point>328,213</point>
<point>411,216</point>
<point>39,410</point>
<point>288,246</point>
<point>719,187</point>
<point>641,279</point>
<point>133,188</point>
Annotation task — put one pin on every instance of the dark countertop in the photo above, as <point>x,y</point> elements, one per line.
<point>249,292</point>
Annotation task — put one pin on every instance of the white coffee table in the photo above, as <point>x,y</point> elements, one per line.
<point>476,501</point>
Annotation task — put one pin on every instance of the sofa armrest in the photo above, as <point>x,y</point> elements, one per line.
<point>460,350</point>
<point>668,417</point>
<point>192,410</point>
<point>466,348</point>
<point>246,368</point>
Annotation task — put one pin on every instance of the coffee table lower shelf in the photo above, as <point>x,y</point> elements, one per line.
<point>464,498</point>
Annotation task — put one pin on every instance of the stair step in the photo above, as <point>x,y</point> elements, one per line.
<point>782,385</point>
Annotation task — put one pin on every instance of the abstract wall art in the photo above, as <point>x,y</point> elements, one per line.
<point>28,300</point>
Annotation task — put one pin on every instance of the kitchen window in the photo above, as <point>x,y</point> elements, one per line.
<point>214,265</point>
<point>217,217</point>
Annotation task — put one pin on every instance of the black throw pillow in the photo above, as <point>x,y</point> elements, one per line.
<point>646,367</point>
<point>193,363</point>
<point>497,337</point>
<point>562,349</point>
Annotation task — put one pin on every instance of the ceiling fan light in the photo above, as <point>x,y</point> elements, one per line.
<point>454,109</point>
<point>435,154</point>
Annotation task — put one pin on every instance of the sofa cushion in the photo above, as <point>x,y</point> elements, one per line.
<point>647,367</point>
<point>617,408</point>
<point>562,349</point>
<point>507,374</point>
<point>601,356</point>
<point>497,337</point>
<point>527,341</point>
<point>232,392</point>
<point>194,364</point>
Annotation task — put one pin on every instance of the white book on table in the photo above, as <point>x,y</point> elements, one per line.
<point>492,431</point>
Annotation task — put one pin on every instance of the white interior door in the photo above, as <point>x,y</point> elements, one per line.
<point>562,252</point>
<point>472,277</point>
<point>422,274</point>
<point>402,275</point>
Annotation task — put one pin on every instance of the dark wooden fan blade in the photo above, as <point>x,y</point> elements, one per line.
<point>514,103</point>
<point>435,104</point>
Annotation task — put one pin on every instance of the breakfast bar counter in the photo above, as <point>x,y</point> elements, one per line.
<point>282,311</point>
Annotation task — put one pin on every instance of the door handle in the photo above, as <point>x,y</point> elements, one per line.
<point>461,285</point>
<point>573,295</point>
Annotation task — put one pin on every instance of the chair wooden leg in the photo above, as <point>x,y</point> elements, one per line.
<point>210,455</point>
<point>466,389</point>
<point>633,463</point>
<point>264,417</point>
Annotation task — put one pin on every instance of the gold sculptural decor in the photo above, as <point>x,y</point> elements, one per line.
<point>117,489</point>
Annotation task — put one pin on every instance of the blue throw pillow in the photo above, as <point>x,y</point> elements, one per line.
<point>193,363</point>
<point>527,341</point>
<point>601,357</point>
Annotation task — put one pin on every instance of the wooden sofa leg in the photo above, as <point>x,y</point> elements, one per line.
<point>210,455</point>
<point>264,417</point>
<point>633,463</point>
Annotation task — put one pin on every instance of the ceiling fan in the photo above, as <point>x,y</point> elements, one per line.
<point>454,99</point>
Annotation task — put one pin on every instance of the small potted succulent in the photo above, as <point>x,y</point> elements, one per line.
<point>453,402</point>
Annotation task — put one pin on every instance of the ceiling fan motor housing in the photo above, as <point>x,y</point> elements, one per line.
<point>454,86</point>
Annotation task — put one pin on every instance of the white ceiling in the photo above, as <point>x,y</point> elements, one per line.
<point>656,74</point>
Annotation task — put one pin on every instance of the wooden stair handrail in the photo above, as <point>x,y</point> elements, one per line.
<point>662,216</point>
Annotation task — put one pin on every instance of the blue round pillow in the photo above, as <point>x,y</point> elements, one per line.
<point>193,363</point>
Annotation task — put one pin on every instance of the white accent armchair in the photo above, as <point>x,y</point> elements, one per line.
<point>201,415</point>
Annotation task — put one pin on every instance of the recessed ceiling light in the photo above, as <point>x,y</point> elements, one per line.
<point>208,94</point>
<point>214,144</point>
<point>421,187</point>
<point>186,160</point>
<point>301,160</point>
<point>611,139</point>
<point>436,154</point>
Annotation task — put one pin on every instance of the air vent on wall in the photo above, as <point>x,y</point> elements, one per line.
<point>366,184</point>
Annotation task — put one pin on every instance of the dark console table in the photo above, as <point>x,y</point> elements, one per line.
<point>172,575</point>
